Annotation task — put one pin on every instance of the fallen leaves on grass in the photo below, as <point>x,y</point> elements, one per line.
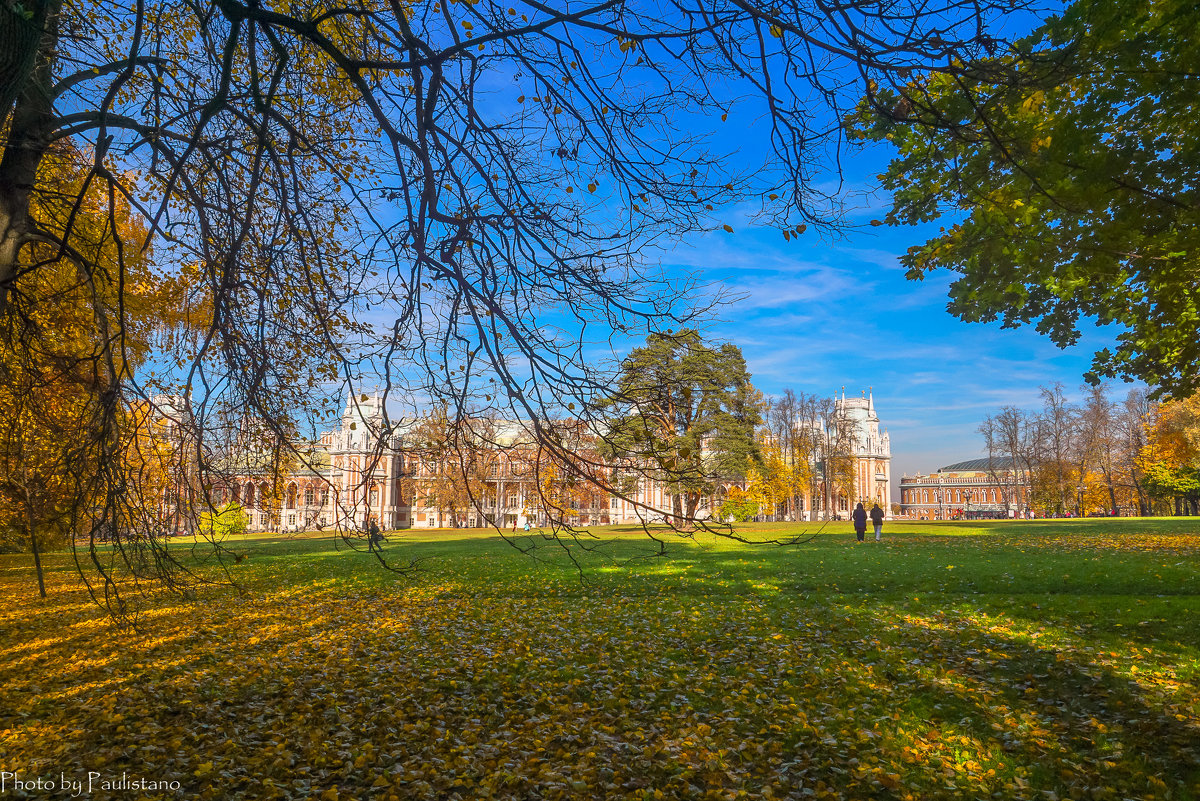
<point>436,691</point>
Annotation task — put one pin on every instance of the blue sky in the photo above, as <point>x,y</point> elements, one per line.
<point>820,313</point>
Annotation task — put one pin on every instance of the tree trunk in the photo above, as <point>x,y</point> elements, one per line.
<point>693,503</point>
<point>1112,490</point>
<point>27,48</point>
<point>37,564</point>
<point>31,529</point>
<point>20,37</point>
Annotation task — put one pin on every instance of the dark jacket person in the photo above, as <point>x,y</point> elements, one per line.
<point>860,521</point>
<point>877,519</point>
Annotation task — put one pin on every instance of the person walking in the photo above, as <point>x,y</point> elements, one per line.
<point>877,519</point>
<point>860,522</point>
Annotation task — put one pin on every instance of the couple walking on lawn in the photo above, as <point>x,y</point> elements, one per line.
<point>860,521</point>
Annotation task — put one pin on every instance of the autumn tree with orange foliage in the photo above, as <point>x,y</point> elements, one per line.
<point>453,458</point>
<point>1171,458</point>
<point>56,372</point>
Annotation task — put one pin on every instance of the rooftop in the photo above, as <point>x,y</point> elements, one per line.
<point>977,465</point>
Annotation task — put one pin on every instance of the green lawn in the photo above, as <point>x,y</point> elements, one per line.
<point>953,660</point>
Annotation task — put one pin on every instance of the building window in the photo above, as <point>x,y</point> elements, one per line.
<point>324,520</point>
<point>514,500</point>
<point>615,503</point>
<point>291,520</point>
<point>324,497</point>
<point>308,497</point>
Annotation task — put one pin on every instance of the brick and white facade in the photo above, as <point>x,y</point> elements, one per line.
<point>974,488</point>
<point>364,469</point>
<point>872,450</point>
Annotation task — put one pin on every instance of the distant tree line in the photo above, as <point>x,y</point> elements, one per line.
<point>1100,456</point>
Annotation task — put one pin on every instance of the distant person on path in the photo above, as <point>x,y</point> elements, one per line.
<point>877,519</point>
<point>860,522</point>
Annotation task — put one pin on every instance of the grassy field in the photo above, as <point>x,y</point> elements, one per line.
<point>1040,660</point>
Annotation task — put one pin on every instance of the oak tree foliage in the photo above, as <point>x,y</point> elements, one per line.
<point>685,412</point>
<point>1069,169</point>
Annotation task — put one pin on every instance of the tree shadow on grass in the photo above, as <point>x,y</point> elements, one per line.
<point>979,693</point>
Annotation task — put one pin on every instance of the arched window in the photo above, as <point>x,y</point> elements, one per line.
<point>237,494</point>
<point>291,496</point>
<point>308,497</point>
<point>249,494</point>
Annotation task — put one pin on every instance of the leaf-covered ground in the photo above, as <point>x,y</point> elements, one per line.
<point>1008,661</point>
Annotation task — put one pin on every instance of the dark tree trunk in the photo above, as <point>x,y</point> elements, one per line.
<point>27,48</point>
<point>31,530</point>
<point>37,564</point>
<point>20,37</point>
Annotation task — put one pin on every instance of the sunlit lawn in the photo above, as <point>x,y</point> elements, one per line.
<point>977,660</point>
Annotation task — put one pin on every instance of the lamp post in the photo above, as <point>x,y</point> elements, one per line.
<point>967,495</point>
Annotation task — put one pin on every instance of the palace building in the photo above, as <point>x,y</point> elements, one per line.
<point>976,488</point>
<point>369,468</point>
<point>871,450</point>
